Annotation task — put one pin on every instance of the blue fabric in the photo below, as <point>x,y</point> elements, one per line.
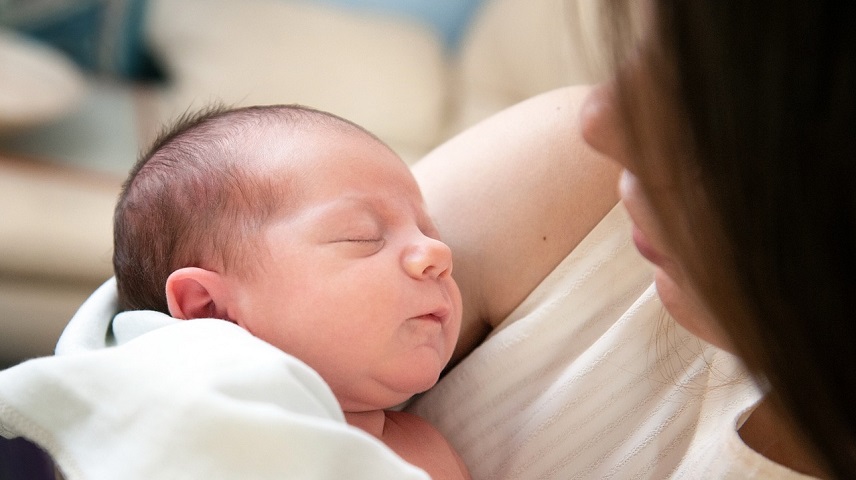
<point>106,36</point>
<point>449,18</point>
<point>103,36</point>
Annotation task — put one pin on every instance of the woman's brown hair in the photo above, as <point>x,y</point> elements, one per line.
<point>757,122</point>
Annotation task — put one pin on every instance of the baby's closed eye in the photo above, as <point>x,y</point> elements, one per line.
<point>358,239</point>
<point>361,245</point>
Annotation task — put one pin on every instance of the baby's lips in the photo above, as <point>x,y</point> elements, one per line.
<point>439,314</point>
<point>442,313</point>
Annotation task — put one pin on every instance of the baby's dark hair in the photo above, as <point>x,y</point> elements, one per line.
<point>196,197</point>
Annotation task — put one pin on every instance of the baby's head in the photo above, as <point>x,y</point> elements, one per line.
<point>305,230</point>
<point>202,192</point>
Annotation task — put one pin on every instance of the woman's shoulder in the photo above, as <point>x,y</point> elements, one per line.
<point>513,196</point>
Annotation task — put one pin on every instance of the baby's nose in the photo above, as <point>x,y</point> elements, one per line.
<point>428,258</point>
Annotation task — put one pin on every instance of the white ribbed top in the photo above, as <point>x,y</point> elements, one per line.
<point>590,378</point>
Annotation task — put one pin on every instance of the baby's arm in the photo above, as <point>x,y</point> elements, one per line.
<point>416,441</point>
<point>512,197</point>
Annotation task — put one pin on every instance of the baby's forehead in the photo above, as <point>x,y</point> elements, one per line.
<point>305,161</point>
<point>338,192</point>
<point>283,145</point>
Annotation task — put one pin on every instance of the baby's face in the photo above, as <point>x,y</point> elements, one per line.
<point>355,282</point>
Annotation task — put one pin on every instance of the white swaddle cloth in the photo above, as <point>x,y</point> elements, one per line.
<point>145,396</point>
<point>590,378</point>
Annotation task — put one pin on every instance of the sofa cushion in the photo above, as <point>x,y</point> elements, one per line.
<point>516,49</point>
<point>449,18</point>
<point>37,82</point>
<point>386,73</point>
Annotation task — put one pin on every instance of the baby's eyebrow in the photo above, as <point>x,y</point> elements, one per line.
<point>350,203</point>
<point>376,207</point>
<point>348,207</point>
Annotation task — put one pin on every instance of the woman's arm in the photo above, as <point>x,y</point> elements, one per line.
<point>512,196</point>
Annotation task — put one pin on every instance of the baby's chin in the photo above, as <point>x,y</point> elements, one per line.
<point>387,393</point>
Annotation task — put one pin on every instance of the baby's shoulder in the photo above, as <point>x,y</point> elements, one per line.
<point>409,422</point>
<point>418,442</point>
<point>412,431</point>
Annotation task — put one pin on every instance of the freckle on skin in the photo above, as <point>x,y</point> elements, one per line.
<point>544,238</point>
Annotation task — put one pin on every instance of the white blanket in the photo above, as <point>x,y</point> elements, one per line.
<point>159,398</point>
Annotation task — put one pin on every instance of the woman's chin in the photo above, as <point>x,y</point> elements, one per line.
<point>687,311</point>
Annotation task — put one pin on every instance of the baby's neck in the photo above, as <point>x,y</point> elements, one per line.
<point>414,440</point>
<point>371,421</point>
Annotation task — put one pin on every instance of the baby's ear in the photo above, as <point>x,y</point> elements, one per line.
<point>193,292</point>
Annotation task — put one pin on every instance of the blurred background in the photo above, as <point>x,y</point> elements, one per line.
<point>86,84</point>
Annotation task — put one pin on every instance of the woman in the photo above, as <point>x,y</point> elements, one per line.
<point>744,199</point>
<point>734,125</point>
